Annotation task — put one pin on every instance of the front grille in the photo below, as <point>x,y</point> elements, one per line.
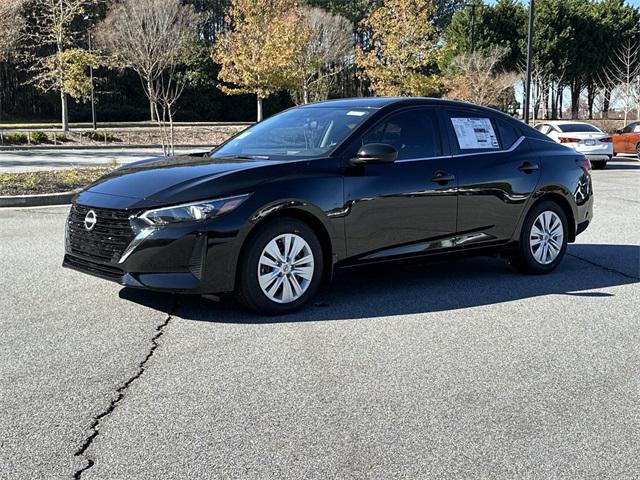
<point>107,240</point>
<point>97,269</point>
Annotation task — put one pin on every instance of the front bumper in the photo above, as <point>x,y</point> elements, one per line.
<point>178,282</point>
<point>195,258</point>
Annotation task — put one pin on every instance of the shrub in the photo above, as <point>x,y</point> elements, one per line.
<point>39,137</point>
<point>60,138</point>
<point>16,139</point>
<point>100,136</point>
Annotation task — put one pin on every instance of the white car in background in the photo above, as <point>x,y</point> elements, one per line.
<point>585,138</point>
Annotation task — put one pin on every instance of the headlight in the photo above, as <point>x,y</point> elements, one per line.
<point>193,212</point>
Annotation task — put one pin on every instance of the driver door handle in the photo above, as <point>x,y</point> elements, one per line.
<point>442,177</point>
<point>528,167</point>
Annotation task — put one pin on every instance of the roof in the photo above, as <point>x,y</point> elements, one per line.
<point>377,103</point>
<point>380,102</point>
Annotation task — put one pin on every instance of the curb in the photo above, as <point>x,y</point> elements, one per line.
<point>39,200</point>
<point>6,148</point>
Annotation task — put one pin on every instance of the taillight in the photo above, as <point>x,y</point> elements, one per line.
<point>606,140</point>
<point>584,163</point>
<point>568,140</point>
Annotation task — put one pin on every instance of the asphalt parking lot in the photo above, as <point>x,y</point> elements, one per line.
<point>453,370</point>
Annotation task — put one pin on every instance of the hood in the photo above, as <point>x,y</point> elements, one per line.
<point>173,180</point>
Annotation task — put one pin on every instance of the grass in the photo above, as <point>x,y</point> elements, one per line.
<point>51,181</point>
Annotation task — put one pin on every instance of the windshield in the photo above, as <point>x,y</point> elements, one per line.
<point>577,127</point>
<point>295,133</point>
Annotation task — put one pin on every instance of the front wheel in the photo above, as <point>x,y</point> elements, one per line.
<point>543,240</point>
<point>281,267</point>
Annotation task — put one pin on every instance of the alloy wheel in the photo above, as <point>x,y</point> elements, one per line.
<point>285,268</point>
<point>546,237</point>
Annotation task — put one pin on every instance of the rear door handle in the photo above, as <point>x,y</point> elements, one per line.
<point>528,167</point>
<point>442,177</point>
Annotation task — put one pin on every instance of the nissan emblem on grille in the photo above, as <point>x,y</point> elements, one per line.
<point>90,220</point>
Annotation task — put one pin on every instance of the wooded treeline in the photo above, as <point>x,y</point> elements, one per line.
<point>586,55</point>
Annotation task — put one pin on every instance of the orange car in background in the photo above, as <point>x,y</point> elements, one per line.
<point>627,140</point>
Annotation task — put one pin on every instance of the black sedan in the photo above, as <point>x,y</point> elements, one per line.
<point>278,208</point>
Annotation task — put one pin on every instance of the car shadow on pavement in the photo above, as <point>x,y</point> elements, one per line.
<point>405,289</point>
<point>622,166</point>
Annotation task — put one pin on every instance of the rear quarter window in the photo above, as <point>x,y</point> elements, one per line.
<point>508,134</point>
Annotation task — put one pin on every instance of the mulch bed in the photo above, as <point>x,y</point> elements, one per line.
<point>50,181</point>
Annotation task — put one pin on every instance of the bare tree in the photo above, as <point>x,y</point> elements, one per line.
<point>55,24</point>
<point>329,51</point>
<point>151,37</point>
<point>11,22</point>
<point>546,91</point>
<point>476,78</point>
<point>623,73</point>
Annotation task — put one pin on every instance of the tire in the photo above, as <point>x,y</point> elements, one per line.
<point>598,164</point>
<point>531,259</point>
<point>269,282</point>
<point>638,151</point>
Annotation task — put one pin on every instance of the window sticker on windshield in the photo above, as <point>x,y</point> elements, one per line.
<point>475,133</point>
<point>356,113</point>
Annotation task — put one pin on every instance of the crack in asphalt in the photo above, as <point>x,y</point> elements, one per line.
<point>608,269</point>
<point>119,396</point>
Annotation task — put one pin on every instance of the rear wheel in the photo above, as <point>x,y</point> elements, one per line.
<point>638,150</point>
<point>281,268</point>
<point>543,240</point>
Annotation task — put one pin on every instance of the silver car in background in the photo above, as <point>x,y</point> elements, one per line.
<point>583,137</point>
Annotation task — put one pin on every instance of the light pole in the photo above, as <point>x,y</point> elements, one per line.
<point>527,87</point>
<point>473,6</point>
<point>93,103</point>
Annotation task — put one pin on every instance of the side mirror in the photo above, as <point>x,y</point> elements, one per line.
<point>618,131</point>
<point>375,153</point>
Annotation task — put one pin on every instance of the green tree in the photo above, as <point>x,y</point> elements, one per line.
<point>401,51</point>
<point>76,63</point>
<point>57,25</point>
<point>500,25</point>
<point>258,53</point>
<point>618,24</point>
